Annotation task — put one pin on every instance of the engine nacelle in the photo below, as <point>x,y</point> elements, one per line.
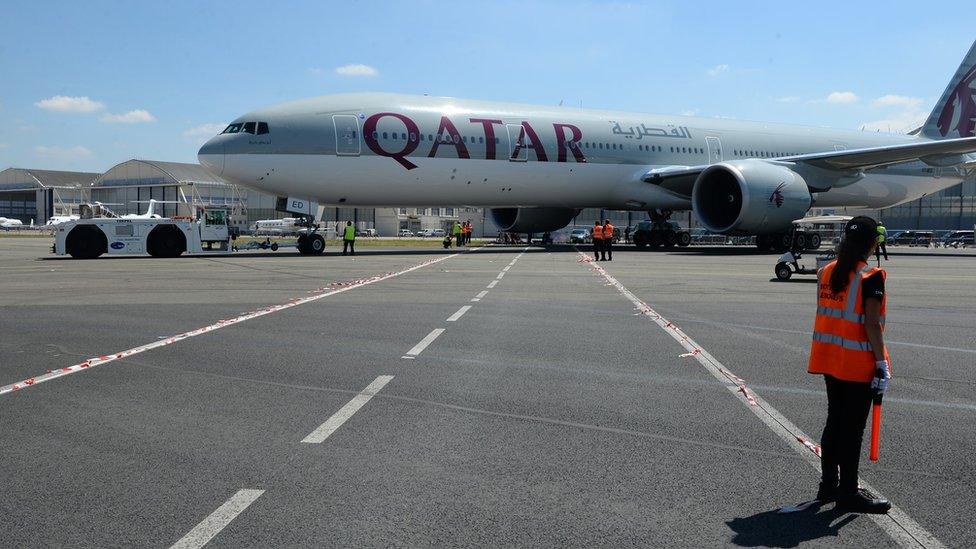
<point>749,197</point>
<point>532,220</point>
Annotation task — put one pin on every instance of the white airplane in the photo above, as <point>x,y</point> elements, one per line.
<point>150,210</point>
<point>59,219</point>
<point>278,226</point>
<point>536,166</point>
<point>7,223</point>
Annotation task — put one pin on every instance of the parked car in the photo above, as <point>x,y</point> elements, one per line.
<point>367,232</point>
<point>438,233</point>
<point>579,236</point>
<point>910,238</point>
<point>405,232</point>
<point>959,239</point>
<point>425,233</point>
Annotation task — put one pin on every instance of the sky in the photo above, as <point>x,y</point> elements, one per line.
<point>86,85</point>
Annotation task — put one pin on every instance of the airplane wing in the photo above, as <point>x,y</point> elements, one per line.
<point>947,152</point>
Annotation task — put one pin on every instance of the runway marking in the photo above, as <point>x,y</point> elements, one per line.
<point>323,431</point>
<point>506,269</point>
<point>335,288</point>
<point>500,275</point>
<point>897,524</point>
<point>460,312</point>
<point>807,333</point>
<point>492,284</point>
<point>482,294</point>
<point>419,348</point>
<point>218,520</point>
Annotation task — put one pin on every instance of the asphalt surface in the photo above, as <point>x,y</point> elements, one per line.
<point>548,413</point>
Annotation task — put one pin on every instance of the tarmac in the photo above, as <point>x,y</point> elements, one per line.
<point>501,396</point>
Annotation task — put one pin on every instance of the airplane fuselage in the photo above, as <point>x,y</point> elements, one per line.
<point>378,149</point>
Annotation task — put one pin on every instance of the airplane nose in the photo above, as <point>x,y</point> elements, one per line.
<point>211,156</point>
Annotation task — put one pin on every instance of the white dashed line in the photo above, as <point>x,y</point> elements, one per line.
<point>218,520</point>
<point>492,284</point>
<point>500,275</point>
<point>897,524</point>
<point>505,270</point>
<point>482,294</point>
<point>460,312</point>
<point>323,431</point>
<point>419,348</point>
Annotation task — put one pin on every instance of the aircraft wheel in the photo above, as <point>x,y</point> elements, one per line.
<point>783,271</point>
<point>670,239</point>
<point>800,241</point>
<point>655,239</point>
<point>684,239</point>
<point>640,239</point>
<point>274,246</point>
<point>762,241</point>
<point>86,242</point>
<point>814,242</point>
<point>781,242</point>
<point>302,244</point>
<point>316,244</point>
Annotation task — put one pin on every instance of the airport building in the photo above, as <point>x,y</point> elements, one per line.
<point>28,194</point>
<point>952,208</point>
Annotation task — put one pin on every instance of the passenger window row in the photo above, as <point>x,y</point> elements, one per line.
<point>762,154</point>
<point>253,128</point>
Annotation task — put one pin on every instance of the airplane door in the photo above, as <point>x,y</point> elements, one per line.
<point>517,152</point>
<point>714,149</point>
<point>347,134</point>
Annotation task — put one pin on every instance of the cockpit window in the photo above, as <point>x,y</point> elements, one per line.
<point>258,128</point>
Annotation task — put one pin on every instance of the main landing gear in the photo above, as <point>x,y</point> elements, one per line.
<point>310,242</point>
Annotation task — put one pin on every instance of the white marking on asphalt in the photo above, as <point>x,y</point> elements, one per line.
<point>419,348</point>
<point>897,524</point>
<point>482,294</point>
<point>323,431</point>
<point>500,275</point>
<point>460,312</point>
<point>493,283</point>
<point>218,520</point>
<point>506,269</point>
<point>104,359</point>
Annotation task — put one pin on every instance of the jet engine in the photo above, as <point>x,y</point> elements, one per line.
<point>749,197</point>
<point>532,220</point>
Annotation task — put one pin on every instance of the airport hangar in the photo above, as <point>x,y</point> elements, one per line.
<point>27,194</point>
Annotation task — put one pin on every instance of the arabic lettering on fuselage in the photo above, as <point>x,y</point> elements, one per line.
<point>642,131</point>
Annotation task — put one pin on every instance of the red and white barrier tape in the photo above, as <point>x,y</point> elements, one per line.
<point>319,293</point>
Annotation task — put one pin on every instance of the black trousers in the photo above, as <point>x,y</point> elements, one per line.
<point>348,245</point>
<point>597,248</point>
<point>848,404</point>
<point>608,249</point>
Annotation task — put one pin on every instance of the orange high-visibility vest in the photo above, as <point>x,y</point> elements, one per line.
<point>597,232</point>
<point>608,232</point>
<point>840,340</point>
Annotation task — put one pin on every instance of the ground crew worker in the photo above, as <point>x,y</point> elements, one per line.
<point>607,240</point>
<point>882,248</point>
<point>467,232</point>
<point>349,239</point>
<point>456,231</point>
<point>848,350</point>
<point>597,235</point>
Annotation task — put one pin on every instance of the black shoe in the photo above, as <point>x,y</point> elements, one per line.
<point>863,501</point>
<point>827,492</point>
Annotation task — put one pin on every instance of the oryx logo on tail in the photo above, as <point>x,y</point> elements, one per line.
<point>958,116</point>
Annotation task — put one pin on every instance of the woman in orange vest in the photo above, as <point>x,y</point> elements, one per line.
<point>848,350</point>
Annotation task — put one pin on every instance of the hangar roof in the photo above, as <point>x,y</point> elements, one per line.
<point>139,172</point>
<point>24,179</point>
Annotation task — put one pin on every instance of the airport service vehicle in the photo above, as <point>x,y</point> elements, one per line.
<point>959,239</point>
<point>579,236</point>
<point>535,167</point>
<point>911,238</point>
<point>90,237</point>
<point>791,262</point>
<point>660,233</point>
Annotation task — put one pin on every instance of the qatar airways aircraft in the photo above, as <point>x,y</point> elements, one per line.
<point>535,167</point>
